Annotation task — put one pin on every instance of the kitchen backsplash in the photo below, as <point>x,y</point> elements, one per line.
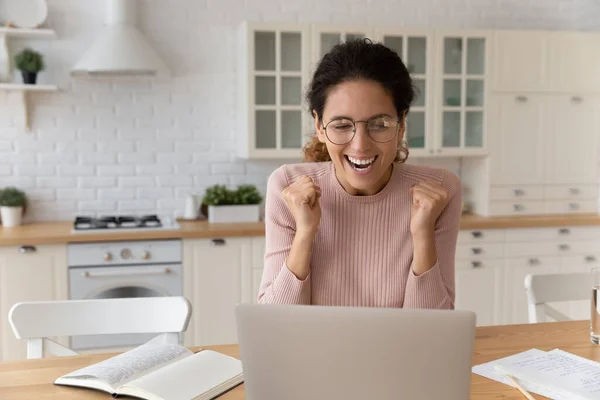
<point>140,145</point>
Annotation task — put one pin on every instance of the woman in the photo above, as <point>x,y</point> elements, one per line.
<point>355,226</point>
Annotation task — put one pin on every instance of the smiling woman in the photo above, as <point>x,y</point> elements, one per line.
<point>354,225</point>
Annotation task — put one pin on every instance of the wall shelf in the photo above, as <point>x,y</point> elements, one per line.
<point>28,33</point>
<point>23,90</point>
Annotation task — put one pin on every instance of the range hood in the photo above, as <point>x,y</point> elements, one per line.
<point>120,49</point>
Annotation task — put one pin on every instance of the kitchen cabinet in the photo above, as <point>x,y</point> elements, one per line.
<point>462,70</point>
<point>29,273</point>
<point>417,50</point>
<point>546,61</point>
<point>274,72</point>
<point>479,288</point>
<point>326,36</point>
<point>216,279</point>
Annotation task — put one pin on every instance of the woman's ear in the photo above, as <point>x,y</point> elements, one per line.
<point>319,128</point>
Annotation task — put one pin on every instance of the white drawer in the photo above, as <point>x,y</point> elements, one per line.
<point>522,249</point>
<point>517,193</point>
<point>517,207</point>
<point>571,206</point>
<point>578,192</point>
<point>478,251</point>
<point>477,264</point>
<point>580,247</point>
<point>533,261</point>
<point>258,252</point>
<point>579,262</point>
<point>566,233</point>
<point>481,236</point>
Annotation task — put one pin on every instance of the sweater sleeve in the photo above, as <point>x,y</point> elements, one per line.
<point>279,285</point>
<point>435,288</point>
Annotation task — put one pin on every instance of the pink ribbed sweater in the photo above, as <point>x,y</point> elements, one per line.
<point>363,251</point>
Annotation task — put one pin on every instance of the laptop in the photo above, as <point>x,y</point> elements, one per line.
<point>297,352</point>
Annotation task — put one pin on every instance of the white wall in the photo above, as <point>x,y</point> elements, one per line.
<point>139,145</point>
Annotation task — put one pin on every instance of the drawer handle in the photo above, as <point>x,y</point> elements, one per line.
<point>518,207</point>
<point>218,242</point>
<point>519,192</point>
<point>573,206</point>
<point>476,264</point>
<point>27,249</point>
<point>477,234</point>
<point>564,231</point>
<point>534,261</point>
<point>590,259</point>
<point>564,247</point>
<point>521,99</point>
<point>574,191</point>
<point>576,99</point>
<point>477,250</point>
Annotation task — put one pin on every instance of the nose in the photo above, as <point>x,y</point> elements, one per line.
<point>361,140</point>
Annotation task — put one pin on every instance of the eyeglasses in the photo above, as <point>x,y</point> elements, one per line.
<point>380,129</point>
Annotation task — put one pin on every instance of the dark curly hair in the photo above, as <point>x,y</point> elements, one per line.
<point>360,59</point>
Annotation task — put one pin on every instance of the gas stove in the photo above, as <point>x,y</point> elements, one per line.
<point>111,223</point>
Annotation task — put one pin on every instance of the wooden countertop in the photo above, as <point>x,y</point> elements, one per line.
<point>60,232</point>
<point>32,379</point>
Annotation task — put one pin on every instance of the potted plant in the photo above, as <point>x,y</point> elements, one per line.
<point>29,62</point>
<point>228,206</point>
<point>12,204</point>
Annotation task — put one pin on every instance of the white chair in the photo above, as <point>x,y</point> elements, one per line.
<point>547,288</point>
<point>37,321</point>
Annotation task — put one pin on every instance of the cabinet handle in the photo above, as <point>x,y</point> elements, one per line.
<point>477,250</point>
<point>519,192</point>
<point>573,206</point>
<point>522,99</point>
<point>439,150</point>
<point>218,242</point>
<point>576,99</point>
<point>564,231</point>
<point>518,207</point>
<point>574,191</point>
<point>590,259</point>
<point>564,247</point>
<point>27,249</point>
<point>431,151</point>
<point>476,264</point>
<point>477,234</point>
<point>534,261</point>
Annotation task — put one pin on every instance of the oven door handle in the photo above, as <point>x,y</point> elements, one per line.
<point>145,271</point>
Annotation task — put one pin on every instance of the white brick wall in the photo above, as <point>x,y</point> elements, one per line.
<point>140,145</point>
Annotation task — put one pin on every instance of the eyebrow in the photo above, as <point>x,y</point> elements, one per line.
<point>371,117</point>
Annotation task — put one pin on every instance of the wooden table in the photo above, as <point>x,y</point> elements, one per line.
<point>32,379</point>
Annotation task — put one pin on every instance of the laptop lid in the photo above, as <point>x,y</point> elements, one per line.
<point>316,352</point>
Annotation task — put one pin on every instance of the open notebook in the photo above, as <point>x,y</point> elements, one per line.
<point>555,374</point>
<point>160,372</point>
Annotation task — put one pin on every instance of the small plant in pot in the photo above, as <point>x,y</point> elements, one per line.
<point>29,62</point>
<point>230,206</point>
<point>12,205</point>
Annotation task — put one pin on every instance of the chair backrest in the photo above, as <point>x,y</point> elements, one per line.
<point>39,320</point>
<point>547,288</point>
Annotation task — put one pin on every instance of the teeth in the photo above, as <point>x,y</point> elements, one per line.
<point>361,162</point>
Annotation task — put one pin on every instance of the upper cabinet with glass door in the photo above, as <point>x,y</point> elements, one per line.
<point>462,75</point>
<point>416,50</point>
<point>273,74</point>
<point>324,37</point>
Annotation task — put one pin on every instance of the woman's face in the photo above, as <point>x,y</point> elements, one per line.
<point>363,165</point>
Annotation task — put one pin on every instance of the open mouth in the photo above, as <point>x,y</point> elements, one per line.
<point>361,164</point>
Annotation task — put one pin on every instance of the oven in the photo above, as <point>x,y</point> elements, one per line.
<point>124,269</point>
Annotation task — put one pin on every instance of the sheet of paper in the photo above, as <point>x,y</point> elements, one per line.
<point>488,370</point>
<point>562,371</point>
<point>133,363</point>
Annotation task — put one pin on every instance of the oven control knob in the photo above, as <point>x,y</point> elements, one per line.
<point>146,255</point>
<point>108,256</point>
<point>126,254</point>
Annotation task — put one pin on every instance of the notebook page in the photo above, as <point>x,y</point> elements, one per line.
<point>562,371</point>
<point>133,363</point>
<point>205,372</point>
<point>489,371</point>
